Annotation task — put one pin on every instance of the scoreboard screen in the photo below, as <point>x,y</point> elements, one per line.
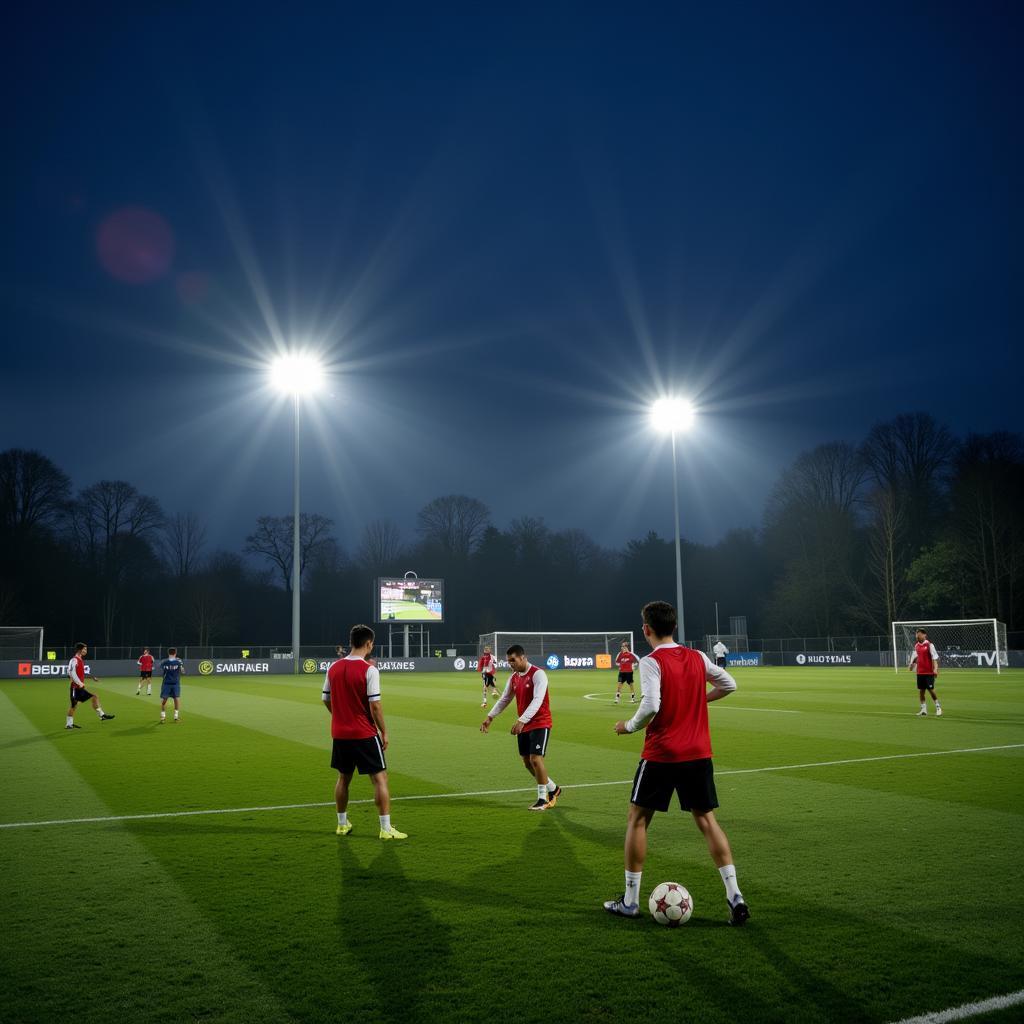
<point>406,600</point>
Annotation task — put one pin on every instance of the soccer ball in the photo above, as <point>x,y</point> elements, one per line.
<point>670,904</point>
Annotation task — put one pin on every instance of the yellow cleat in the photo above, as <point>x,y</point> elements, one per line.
<point>343,830</point>
<point>392,833</point>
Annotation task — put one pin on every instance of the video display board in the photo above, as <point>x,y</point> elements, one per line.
<point>407,600</point>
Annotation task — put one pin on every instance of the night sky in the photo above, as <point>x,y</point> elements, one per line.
<point>507,233</point>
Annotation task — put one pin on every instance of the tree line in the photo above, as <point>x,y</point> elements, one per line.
<point>912,522</point>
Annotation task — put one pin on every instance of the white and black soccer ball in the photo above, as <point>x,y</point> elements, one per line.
<point>670,904</point>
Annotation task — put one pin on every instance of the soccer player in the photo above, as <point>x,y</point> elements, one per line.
<point>926,659</point>
<point>720,651</point>
<point>488,666</point>
<point>351,694</point>
<point>79,694</point>
<point>145,664</point>
<point>676,756</point>
<point>625,659</point>
<point>172,667</point>
<point>529,685</point>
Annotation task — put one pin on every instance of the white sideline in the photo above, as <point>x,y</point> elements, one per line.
<point>492,792</point>
<point>967,1010</point>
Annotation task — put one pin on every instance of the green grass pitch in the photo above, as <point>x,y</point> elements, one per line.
<point>881,886</point>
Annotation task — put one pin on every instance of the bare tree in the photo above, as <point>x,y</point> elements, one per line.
<point>381,545</point>
<point>455,523</point>
<point>110,509</point>
<point>908,453</point>
<point>272,539</point>
<point>183,541</point>
<point>886,553</point>
<point>34,492</point>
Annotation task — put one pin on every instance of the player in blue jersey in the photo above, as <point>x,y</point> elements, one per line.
<point>172,667</point>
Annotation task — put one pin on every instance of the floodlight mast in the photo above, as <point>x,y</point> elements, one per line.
<point>296,374</point>
<point>675,415</point>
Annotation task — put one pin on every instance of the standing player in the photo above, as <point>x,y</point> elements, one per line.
<point>145,664</point>
<point>79,694</point>
<point>625,659</point>
<point>172,667</point>
<point>676,756</point>
<point>359,736</point>
<point>529,685</point>
<point>488,666</point>
<point>720,651</point>
<point>926,659</point>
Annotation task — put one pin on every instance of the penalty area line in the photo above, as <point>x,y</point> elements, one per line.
<point>967,1010</point>
<point>490,792</point>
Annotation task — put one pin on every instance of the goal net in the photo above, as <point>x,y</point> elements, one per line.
<point>961,643</point>
<point>560,650</point>
<point>21,643</point>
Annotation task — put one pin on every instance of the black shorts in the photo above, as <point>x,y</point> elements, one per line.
<point>366,755</point>
<point>79,695</point>
<point>145,675</point>
<point>488,680</point>
<point>694,782</point>
<point>926,682</point>
<point>533,742</point>
<point>720,662</point>
<point>626,677</point>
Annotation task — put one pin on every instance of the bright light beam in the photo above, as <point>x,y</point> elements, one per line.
<point>672,415</point>
<point>297,373</point>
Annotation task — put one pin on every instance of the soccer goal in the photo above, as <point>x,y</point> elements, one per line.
<point>961,643</point>
<point>21,643</point>
<point>545,649</point>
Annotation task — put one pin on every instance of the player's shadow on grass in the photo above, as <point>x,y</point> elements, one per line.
<point>27,740</point>
<point>136,730</point>
<point>376,903</point>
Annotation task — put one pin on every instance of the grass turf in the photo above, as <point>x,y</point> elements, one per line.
<point>879,888</point>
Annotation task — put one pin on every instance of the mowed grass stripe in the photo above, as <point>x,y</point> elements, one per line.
<point>74,914</point>
<point>498,792</point>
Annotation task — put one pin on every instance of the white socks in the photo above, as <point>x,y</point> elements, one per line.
<point>542,791</point>
<point>551,785</point>
<point>99,711</point>
<point>163,715</point>
<point>342,817</point>
<point>385,822</point>
<point>632,896</point>
<point>732,890</point>
<point>71,721</point>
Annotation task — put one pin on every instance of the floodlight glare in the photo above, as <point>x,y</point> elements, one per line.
<point>297,373</point>
<point>672,415</point>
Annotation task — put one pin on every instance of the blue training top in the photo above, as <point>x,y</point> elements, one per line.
<point>172,669</point>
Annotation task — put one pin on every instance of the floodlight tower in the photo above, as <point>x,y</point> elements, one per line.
<point>296,373</point>
<point>675,416</point>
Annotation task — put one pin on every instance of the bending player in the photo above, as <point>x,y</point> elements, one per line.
<point>529,685</point>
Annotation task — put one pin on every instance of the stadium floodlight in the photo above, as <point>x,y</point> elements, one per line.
<point>296,373</point>
<point>675,415</point>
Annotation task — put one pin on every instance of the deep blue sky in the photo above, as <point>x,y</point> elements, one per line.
<point>508,232</point>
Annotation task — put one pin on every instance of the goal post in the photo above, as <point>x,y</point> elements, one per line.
<point>20,643</point>
<point>960,643</point>
<point>544,647</point>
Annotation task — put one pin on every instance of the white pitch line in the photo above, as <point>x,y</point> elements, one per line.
<point>967,1010</point>
<point>488,792</point>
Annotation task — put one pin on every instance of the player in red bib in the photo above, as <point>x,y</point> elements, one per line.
<point>625,659</point>
<point>145,664</point>
<point>529,685</point>
<point>77,676</point>
<point>676,756</point>
<point>926,660</point>
<point>359,736</point>
<point>488,667</point>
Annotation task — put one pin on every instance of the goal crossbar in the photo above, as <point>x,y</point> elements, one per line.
<point>18,639</point>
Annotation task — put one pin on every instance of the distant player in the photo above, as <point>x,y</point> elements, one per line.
<point>926,660</point>
<point>720,651</point>
<point>488,667</point>
<point>79,694</point>
<point>626,660</point>
<point>145,664</point>
<point>359,736</point>
<point>170,689</point>
<point>676,756</point>
<point>529,685</point>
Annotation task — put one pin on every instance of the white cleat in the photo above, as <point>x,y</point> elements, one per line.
<point>922,713</point>
<point>938,712</point>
